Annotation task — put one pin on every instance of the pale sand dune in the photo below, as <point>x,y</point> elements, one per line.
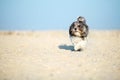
<point>48,55</point>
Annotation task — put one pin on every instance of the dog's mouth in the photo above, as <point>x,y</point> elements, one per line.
<point>77,33</point>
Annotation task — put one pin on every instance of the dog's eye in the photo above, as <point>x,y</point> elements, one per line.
<point>78,25</point>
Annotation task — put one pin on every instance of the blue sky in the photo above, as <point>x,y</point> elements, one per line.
<point>58,14</point>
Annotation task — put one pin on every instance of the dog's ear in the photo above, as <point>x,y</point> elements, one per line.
<point>70,29</point>
<point>81,19</point>
<point>85,31</point>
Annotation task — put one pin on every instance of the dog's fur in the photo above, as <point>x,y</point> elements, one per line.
<point>78,33</point>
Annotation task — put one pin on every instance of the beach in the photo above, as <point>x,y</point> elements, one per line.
<point>49,55</point>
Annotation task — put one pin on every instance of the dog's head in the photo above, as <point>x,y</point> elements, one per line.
<point>79,28</point>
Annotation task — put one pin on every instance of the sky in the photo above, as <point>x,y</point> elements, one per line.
<point>58,14</point>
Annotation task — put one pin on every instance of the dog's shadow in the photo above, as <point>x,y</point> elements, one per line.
<point>66,47</point>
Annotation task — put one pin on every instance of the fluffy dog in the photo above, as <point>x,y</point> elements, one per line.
<point>78,32</point>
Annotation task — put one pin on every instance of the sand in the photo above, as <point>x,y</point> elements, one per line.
<point>48,55</point>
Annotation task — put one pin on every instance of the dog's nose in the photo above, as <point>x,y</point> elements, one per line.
<point>75,29</point>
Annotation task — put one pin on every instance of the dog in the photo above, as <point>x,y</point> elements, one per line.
<point>78,32</point>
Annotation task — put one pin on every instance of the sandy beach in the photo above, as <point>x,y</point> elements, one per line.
<point>48,55</point>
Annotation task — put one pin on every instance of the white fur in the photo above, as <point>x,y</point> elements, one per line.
<point>78,43</point>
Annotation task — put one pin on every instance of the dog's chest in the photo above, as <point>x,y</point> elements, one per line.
<point>78,43</point>
<point>75,40</point>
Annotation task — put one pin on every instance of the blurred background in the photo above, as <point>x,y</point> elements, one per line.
<point>58,14</point>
